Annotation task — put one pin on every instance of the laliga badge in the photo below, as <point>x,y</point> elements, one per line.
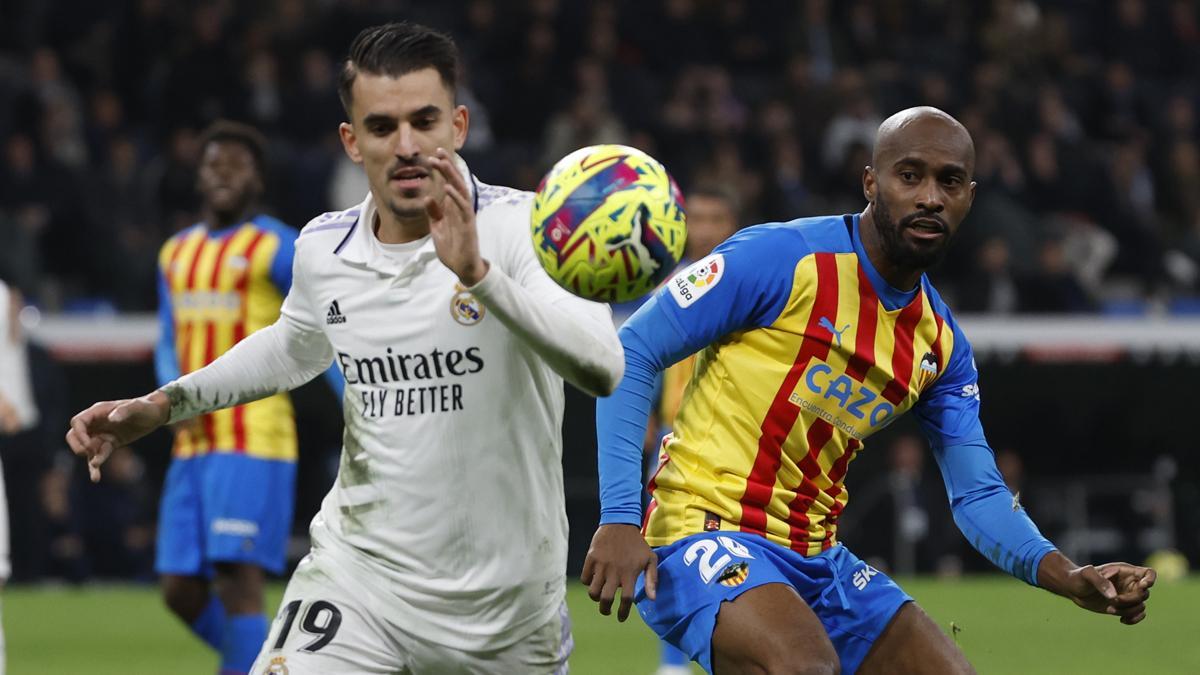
<point>465,308</point>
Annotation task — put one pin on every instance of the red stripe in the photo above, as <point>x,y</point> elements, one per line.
<point>210,334</point>
<point>937,342</point>
<point>646,520</point>
<point>868,320</point>
<point>836,473</point>
<point>781,416</point>
<point>902,351</point>
<point>186,363</point>
<point>239,333</point>
<point>798,521</point>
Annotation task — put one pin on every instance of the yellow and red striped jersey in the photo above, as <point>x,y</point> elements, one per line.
<point>215,288</point>
<point>809,351</point>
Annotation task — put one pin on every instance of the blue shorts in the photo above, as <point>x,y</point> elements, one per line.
<point>853,600</point>
<point>225,508</point>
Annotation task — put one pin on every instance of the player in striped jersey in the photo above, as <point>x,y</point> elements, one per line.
<point>815,334</point>
<point>227,501</point>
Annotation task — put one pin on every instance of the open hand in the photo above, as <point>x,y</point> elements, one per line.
<point>452,223</point>
<point>617,556</point>
<point>109,425</point>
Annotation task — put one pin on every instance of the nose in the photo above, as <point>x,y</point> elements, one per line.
<point>930,198</point>
<point>406,143</point>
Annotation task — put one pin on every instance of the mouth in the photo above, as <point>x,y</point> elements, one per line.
<point>408,178</point>
<point>927,229</point>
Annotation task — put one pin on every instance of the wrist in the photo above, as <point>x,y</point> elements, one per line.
<point>1054,573</point>
<point>474,272</point>
<point>162,401</point>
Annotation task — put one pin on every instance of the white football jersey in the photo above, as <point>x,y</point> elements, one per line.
<point>450,492</point>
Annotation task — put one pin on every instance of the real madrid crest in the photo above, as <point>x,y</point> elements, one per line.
<point>277,666</point>
<point>465,308</point>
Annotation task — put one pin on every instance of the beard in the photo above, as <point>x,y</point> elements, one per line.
<point>901,251</point>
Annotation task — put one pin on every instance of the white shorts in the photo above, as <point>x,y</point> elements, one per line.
<point>324,629</point>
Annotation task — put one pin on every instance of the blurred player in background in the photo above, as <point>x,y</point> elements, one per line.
<point>816,333</point>
<point>18,411</point>
<point>442,546</point>
<point>227,502</point>
<point>712,218</point>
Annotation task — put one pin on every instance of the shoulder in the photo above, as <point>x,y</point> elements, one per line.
<point>784,244</point>
<point>499,197</point>
<point>276,227</point>
<point>328,230</point>
<point>173,242</point>
<point>502,215</point>
<point>961,347</point>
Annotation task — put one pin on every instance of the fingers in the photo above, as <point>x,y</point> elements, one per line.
<point>77,436</point>
<point>652,578</point>
<point>1149,576</point>
<point>443,162</point>
<point>1099,582</point>
<point>608,593</point>
<point>434,208</point>
<point>627,586</point>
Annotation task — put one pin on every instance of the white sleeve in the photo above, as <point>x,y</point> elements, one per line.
<point>280,357</point>
<point>575,337</point>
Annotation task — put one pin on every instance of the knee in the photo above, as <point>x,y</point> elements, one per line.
<point>240,587</point>
<point>184,599</point>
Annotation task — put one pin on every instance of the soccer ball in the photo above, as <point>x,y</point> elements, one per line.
<point>608,223</point>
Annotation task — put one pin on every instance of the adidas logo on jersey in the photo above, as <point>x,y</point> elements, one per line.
<point>334,315</point>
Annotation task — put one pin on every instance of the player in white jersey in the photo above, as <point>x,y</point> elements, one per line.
<point>442,546</point>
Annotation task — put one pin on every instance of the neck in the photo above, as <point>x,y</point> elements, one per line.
<point>393,229</point>
<point>220,221</point>
<point>898,277</point>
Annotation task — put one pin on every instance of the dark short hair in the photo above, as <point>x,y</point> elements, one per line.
<point>396,49</point>
<point>228,131</point>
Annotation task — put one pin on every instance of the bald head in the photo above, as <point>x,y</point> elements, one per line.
<point>920,128</point>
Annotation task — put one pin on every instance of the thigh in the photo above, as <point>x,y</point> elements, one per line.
<point>912,644</point>
<point>771,629</point>
<point>324,629</point>
<point>180,546</point>
<point>701,582</point>
<point>247,510</point>
<point>543,652</point>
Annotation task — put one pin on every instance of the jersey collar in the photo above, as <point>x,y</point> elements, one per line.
<point>893,298</point>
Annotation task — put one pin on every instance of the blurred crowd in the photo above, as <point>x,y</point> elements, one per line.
<point>1084,116</point>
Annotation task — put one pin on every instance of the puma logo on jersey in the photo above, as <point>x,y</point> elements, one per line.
<point>334,315</point>
<point>828,325</point>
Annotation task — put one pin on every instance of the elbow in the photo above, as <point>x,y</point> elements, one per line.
<point>603,377</point>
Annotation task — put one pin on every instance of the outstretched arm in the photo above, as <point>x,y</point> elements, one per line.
<point>274,359</point>
<point>994,522</point>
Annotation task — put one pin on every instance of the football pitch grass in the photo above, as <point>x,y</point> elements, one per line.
<point>1003,626</point>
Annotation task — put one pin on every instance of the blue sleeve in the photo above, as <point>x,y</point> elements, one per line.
<point>745,283</point>
<point>166,362</point>
<point>281,265</point>
<point>949,411</point>
<point>651,343</point>
<point>989,516</point>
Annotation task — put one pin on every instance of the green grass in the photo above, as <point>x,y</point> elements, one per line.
<point>1005,627</point>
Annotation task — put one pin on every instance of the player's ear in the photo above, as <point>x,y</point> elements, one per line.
<point>349,142</point>
<point>461,121</point>
<point>870,186</point>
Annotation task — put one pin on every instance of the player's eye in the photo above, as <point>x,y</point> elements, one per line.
<point>424,123</point>
<point>908,176</point>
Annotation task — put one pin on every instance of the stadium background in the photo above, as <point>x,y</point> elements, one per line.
<point>1077,273</point>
